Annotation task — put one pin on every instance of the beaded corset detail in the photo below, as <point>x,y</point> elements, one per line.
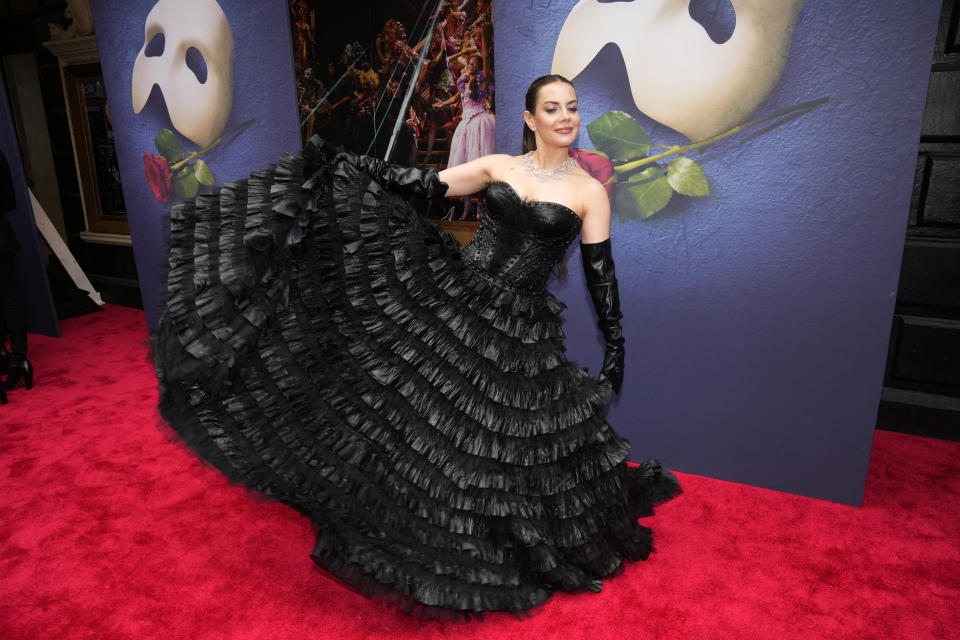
<point>518,242</point>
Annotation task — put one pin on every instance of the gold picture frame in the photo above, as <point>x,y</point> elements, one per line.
<point>88,115</point>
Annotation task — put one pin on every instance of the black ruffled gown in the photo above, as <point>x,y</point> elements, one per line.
<point>324,344</point>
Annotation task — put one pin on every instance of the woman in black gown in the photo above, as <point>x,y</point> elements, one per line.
<point>327,346</point>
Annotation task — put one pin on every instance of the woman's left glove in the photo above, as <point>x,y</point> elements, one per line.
<point>602,284</point>
<point>414,181</point>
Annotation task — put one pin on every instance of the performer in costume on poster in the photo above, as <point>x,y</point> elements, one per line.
<point>326,345</point>
<point>435,87</point>
<point>475,135</point>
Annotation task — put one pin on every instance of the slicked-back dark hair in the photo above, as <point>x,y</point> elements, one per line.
<point>530,104</point>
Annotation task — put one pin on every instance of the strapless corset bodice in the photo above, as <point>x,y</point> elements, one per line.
<point>518,242</point>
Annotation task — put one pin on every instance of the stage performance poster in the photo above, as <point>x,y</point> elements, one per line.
<point>355,61</point>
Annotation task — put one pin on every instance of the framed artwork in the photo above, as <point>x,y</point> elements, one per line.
<point>97,170</point>
<point>91,131</point>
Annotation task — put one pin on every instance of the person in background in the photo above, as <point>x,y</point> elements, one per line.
<point>475,135</point>
<point>12,318</point>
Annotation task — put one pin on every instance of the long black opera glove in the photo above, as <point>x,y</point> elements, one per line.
<point>416,181</point>
<point>602,284</point>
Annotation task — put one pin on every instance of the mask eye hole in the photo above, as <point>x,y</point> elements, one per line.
<point>197,64</point>
<point>155,46</point>
<point>717,18</point>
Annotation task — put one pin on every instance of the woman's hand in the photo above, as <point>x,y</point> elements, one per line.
<point>450,100</point>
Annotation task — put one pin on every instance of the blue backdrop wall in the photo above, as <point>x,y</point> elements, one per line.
<point>756,317</point>
<point>262,123</point>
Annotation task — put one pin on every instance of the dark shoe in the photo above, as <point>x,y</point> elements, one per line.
<point>23,370</point>
<point>4,358</point>
<point>3,395</point>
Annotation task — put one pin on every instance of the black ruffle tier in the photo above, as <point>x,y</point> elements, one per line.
<point>327,346</point>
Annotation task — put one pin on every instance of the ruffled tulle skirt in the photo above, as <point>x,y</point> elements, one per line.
<point>474,136</point>
<point>325,345</point>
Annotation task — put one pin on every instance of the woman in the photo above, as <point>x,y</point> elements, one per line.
<point>475,135</point>
<point>452,26</point>
<point>328,346</point>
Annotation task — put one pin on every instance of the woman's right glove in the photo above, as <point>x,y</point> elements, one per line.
<point>416,181</point>
<point>602,284</point>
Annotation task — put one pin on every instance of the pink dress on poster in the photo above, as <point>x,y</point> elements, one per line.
<point>475,135</point>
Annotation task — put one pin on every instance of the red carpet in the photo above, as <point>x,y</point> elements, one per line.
<point>110,530</point>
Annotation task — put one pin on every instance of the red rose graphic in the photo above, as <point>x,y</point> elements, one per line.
<point>158,176</point>
<point>597,165</point>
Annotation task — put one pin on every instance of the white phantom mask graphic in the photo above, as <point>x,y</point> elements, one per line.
<point>197,110</point>
<point>678,75</point>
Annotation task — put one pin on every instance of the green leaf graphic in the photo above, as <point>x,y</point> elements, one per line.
<point>646,174</point>
<point>168,146</point>
<point>641,199</point>
<point>185,187</point>
<point>619,136</point>
<point>686,177</point>
<point>202,172</point>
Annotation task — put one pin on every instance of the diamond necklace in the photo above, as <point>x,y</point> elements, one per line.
<point>543,175</point>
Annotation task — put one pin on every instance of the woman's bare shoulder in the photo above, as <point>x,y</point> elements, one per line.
<point>498,163</point>
<point>585,183</point>
<point>502,158</point>
<point>593,195</point>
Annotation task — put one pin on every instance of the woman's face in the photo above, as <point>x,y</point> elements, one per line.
<point>474,65</point>
<point>556,119</point>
